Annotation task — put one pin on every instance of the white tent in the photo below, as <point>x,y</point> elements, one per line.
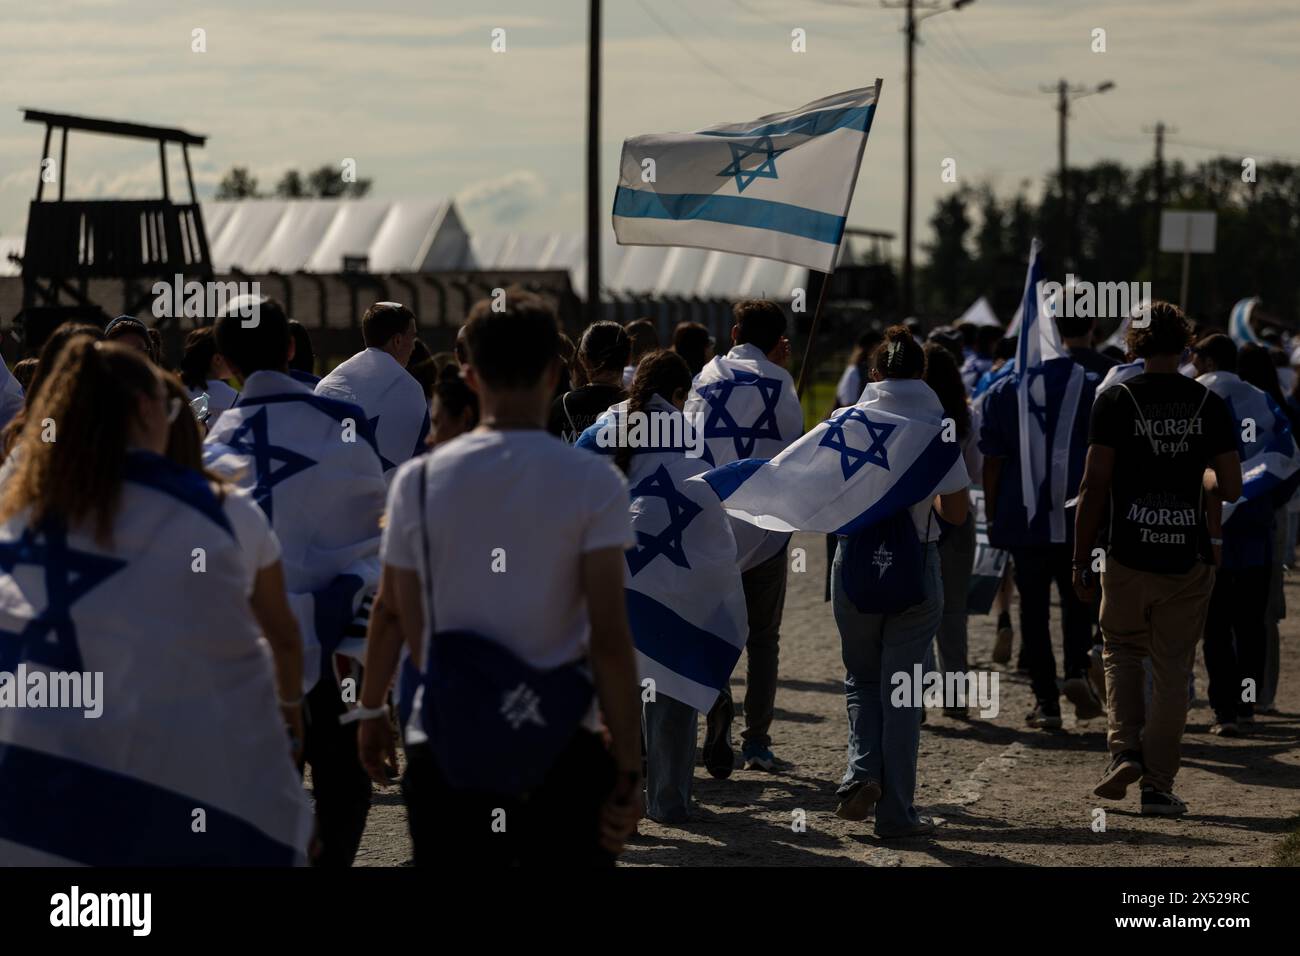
<point>981,313</point>
<point>288,235</point>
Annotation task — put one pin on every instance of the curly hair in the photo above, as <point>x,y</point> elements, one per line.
<point>1166,332</point>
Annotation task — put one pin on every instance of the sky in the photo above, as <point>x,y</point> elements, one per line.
<point>414,93</point>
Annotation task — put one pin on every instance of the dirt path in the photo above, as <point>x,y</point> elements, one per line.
<point>1007,795</point>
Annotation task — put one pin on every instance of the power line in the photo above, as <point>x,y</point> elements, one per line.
<point>702,60</point>
<point>970,54</point>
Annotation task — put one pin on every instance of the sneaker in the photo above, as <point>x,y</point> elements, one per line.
<point>1002,643</point>
<point>1043,721</point>
<point>858,800</point>
<point>1086,705</point>
<point>1225,728</point>
<point>924,826</point>
<point>1246,721</point>
<point>757,758</point>
<point>1125,768</point>
<point>1158,803</point>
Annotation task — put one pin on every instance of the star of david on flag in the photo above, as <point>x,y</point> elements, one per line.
<point>851,458</point>
<point>745,175</point>
<point>251,439</point>
<point>722,423</point>
<point>50,638</point>
<point>668,542</point>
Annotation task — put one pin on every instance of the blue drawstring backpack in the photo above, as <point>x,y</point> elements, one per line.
<point>882,566</point>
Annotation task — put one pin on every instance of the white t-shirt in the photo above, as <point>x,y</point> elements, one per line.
<point>252,531</point>
<point>849,389</point>
<point>509,515</point>
<point>955,480</point>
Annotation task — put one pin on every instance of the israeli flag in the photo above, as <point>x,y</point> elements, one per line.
<point>311,463</point>
<point>1239,328</point>
<point>168,702</point>
<point>746,407</point>
<point>1269,457</point>
<point>1037,342</point>
<point>685,603</point>
<point>860,466</point>
<point>777,187</point>
<point>393,400</point>
<point>1119,374</point>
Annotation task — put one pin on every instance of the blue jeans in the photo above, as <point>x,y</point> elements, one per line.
<point>883,739</point>
<point>669,727</point>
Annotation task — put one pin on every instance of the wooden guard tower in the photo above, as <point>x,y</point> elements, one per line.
<point>72,241</point>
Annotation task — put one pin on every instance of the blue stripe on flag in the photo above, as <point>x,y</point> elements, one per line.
<point>169,478</point>
<point>924,473</point>
<point>731,210</point>
<point>102,818</point>
<point>811,124</point>
<point>663,635</point>
<point>725,480</point>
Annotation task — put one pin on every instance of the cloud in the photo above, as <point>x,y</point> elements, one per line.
<point>504,199</point>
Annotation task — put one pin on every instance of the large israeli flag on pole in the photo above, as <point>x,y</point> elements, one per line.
<point>1269,457</point>
<point>1037,342</point>
<point>777,187</point>
<point>685,602</point>
<point>173,705</point>
<point>860,466</point>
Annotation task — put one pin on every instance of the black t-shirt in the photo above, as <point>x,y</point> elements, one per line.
<point>1166,429</point>
<point>575,412</point>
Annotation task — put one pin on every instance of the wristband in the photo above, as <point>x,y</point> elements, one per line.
<point>364,713</point>
<point>291,703</point>
<point>1217,541</point>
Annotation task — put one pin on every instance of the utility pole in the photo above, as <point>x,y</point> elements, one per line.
<point>1064,93</point>
<point>930,8</point>
<point>1158,201</point>
<point>593,163</point>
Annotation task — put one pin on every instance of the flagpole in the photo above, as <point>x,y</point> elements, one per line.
<point>812,332</point>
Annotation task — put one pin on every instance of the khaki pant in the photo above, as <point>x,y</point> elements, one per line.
<point>1161,616</point>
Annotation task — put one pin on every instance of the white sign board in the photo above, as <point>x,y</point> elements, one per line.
<point>1182,231</point>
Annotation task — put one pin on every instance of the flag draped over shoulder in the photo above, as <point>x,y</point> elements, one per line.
<point>685,603</point>
<point>1037,343</point>
<point>310,462</point>
<point>1270,463</point>
<point>1120,374</point>
<point>777,187</point>
<point>188,715</point>
<point>392,399</point>
<point>860,466</point>
<point>746,407</point>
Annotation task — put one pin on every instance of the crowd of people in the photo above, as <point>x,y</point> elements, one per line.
<point>436,568</point>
